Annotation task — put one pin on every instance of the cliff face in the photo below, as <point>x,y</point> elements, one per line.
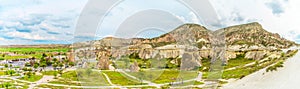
<point>196,41</point>
<point>253,34</point>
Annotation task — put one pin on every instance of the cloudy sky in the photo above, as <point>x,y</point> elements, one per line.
<point>64,21</point>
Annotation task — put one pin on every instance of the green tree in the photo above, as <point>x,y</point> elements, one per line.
<point>36,65</point>
<point>54,66</point>
<point>43,64</point>
<point>10,72</point>
<point>6,65</point>
<point>44,55</point>
<point>29,74</point>
<point>54,60</point>
<point>7,84</point>
<point>60,65</point>
<point>55,74</point>
<point>71,63</point>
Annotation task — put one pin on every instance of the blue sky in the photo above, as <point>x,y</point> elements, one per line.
<point>56,21</point>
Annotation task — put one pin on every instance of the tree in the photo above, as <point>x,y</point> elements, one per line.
<point>71,64</point>
<point>42,59</point>
<point>10,72</point>
<point>44,55</point>
<point>66,62</point>
<point>48,62</point>
<point>54,60</point>
<point>55,74</point>
<point>28,74</point>
<point>54,66</point>
<point>60,72</point>
<point>6,65</point>
<point>43,64</point>
<point>60,65</point>
<point>7,84</point>
<point>27,64</point>
<point>36,65</point>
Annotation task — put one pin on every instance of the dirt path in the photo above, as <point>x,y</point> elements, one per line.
<point>108,79</point>
<point>45,79</point>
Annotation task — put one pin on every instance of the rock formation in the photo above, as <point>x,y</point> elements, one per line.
<point>250,38</point>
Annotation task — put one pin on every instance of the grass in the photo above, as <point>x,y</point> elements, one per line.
<point>119,79</point>
<point>205,64</point>
<point>274,67</point>
<point>2,73</point>
<point>72,75</point>
<point>12,84</point>
<point>145,87</point>
<point>168,75</point>
<point>65,82</point>
<point>49,72</point>
<point>86,77</point>
<point>16,57</point>
<point>240,60</point>
<point>29,52</point>
<point>191,83</point>
<point>92,78</point>
<point>237,73</point>
<point>51,87</point>
<point>32,78</point>
<point>244,71</point>
<point>164,76</point>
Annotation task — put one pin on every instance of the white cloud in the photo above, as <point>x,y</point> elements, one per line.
<point>2,39</point>
<point>30,20</point>
<point>30,36</point>
<point>50,20</point>
<point>283,22</point>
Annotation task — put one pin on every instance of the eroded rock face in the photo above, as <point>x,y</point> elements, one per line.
<point>103,58</point>
<point>256,55</point>
<point>230,55</point>
<point>250,38</point>
<point>134,67</point>
<point>190,61</point>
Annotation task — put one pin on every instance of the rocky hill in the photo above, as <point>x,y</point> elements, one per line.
<point>245,35</point>
<point>193,40</point>
<point>253,34</point>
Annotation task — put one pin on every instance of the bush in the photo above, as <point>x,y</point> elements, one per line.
<point>274,67</point>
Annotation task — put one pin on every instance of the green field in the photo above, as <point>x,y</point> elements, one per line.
<point>240,60</point>
<point>164,76</point>
<point>2,73</point>
<point>21,53</point>
<point>12,84</point>
<point>119,79</point>
<point>32,78</point>
<point>16,57</point>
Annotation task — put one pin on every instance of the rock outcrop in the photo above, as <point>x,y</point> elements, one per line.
<point>249,38</point>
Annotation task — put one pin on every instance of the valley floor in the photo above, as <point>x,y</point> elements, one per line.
<point>287,77</point>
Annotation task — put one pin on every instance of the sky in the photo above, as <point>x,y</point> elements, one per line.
<point>68,21</point>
